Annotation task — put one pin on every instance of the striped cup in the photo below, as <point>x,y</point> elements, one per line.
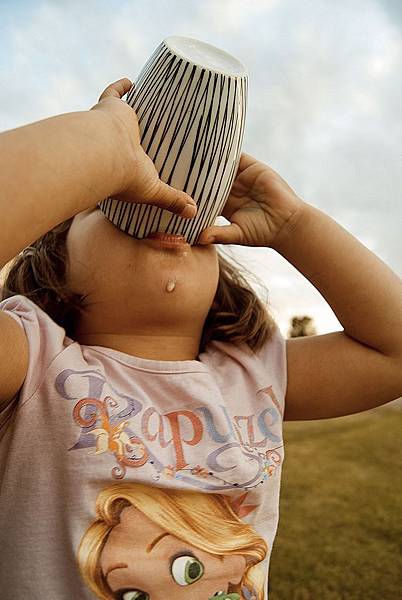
<point>190,100</point>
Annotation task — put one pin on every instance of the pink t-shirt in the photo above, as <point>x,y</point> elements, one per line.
<point>137,479</point>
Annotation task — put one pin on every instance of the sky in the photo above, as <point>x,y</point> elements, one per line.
<point>324,105</point>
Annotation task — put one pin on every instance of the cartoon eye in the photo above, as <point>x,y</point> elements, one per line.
<point>186,570</point>
<point>134,595</point>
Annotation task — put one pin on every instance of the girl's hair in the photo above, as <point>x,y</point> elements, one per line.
<point>237,315</point>
<point>206,521</point>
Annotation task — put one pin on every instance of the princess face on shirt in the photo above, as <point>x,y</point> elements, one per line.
<point>141,561</point>
<point>152,543</point>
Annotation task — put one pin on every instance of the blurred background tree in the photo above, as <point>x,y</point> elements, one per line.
<point>302,326</point>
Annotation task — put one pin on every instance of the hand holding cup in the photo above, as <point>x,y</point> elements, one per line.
<point>142,184</point>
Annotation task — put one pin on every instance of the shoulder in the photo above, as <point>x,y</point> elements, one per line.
<point>45,339</point>
<point>31,317</point>
<point>265,365</point>
<point>20,307</point>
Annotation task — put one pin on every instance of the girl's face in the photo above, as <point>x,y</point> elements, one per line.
<point>126,278</point>
<point>142,560</point>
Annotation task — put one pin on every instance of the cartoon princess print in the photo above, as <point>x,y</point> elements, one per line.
<point>151,543</point>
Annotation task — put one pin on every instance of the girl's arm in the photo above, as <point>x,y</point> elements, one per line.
<point>52,169</point>
<point>342,372</point>
<point>351,371</point>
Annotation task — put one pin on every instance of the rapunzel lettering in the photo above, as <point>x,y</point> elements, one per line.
<point>138,435</point>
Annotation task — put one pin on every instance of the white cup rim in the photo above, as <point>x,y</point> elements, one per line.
<point>206,56</point>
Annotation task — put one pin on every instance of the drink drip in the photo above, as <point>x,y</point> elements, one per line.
<point>170,286</point>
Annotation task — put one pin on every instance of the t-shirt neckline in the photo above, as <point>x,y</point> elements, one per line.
<point>148,364</point>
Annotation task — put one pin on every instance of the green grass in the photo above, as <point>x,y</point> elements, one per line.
<point>340,528</point>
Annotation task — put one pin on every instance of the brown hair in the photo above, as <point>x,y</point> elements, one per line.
<point>237,314</point>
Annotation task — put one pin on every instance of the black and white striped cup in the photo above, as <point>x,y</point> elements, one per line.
<point>190,100</point>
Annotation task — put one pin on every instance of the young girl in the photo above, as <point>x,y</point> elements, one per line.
<point>141,429</point>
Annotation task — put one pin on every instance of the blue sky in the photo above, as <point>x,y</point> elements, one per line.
<point>324,109</point>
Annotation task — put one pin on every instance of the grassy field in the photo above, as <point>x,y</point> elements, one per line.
<point>340,529</point>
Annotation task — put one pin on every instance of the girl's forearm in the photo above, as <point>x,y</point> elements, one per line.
<point>52,169</point>
<point>364,293</point>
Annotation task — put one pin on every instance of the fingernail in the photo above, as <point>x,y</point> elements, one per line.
<point>189,211</point>
<point>209,240</point>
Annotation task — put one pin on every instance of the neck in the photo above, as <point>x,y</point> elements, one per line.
<point>152,347</point>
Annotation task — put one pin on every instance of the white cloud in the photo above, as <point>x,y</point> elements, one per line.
<point>231,16</point>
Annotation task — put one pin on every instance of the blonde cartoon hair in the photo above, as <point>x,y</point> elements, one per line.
<point>206,521</point>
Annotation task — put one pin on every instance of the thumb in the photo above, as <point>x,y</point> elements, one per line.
<point>224,234</point>
<point>176,201</point>
<point>117,89</point>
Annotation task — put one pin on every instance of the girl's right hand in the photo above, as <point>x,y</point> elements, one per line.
<point>141,182</point>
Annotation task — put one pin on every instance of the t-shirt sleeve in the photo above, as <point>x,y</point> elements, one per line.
<point>272,359</point>
<point>46,339</point>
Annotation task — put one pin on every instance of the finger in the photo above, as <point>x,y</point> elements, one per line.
<point>117,89</point>
<point>176,201</point>
<point>245,161</point>
<point>224,234</point>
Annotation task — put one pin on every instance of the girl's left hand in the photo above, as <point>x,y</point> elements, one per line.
<point>259,207</point>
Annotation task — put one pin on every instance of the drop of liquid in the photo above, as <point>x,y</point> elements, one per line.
<point>170,286</point>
